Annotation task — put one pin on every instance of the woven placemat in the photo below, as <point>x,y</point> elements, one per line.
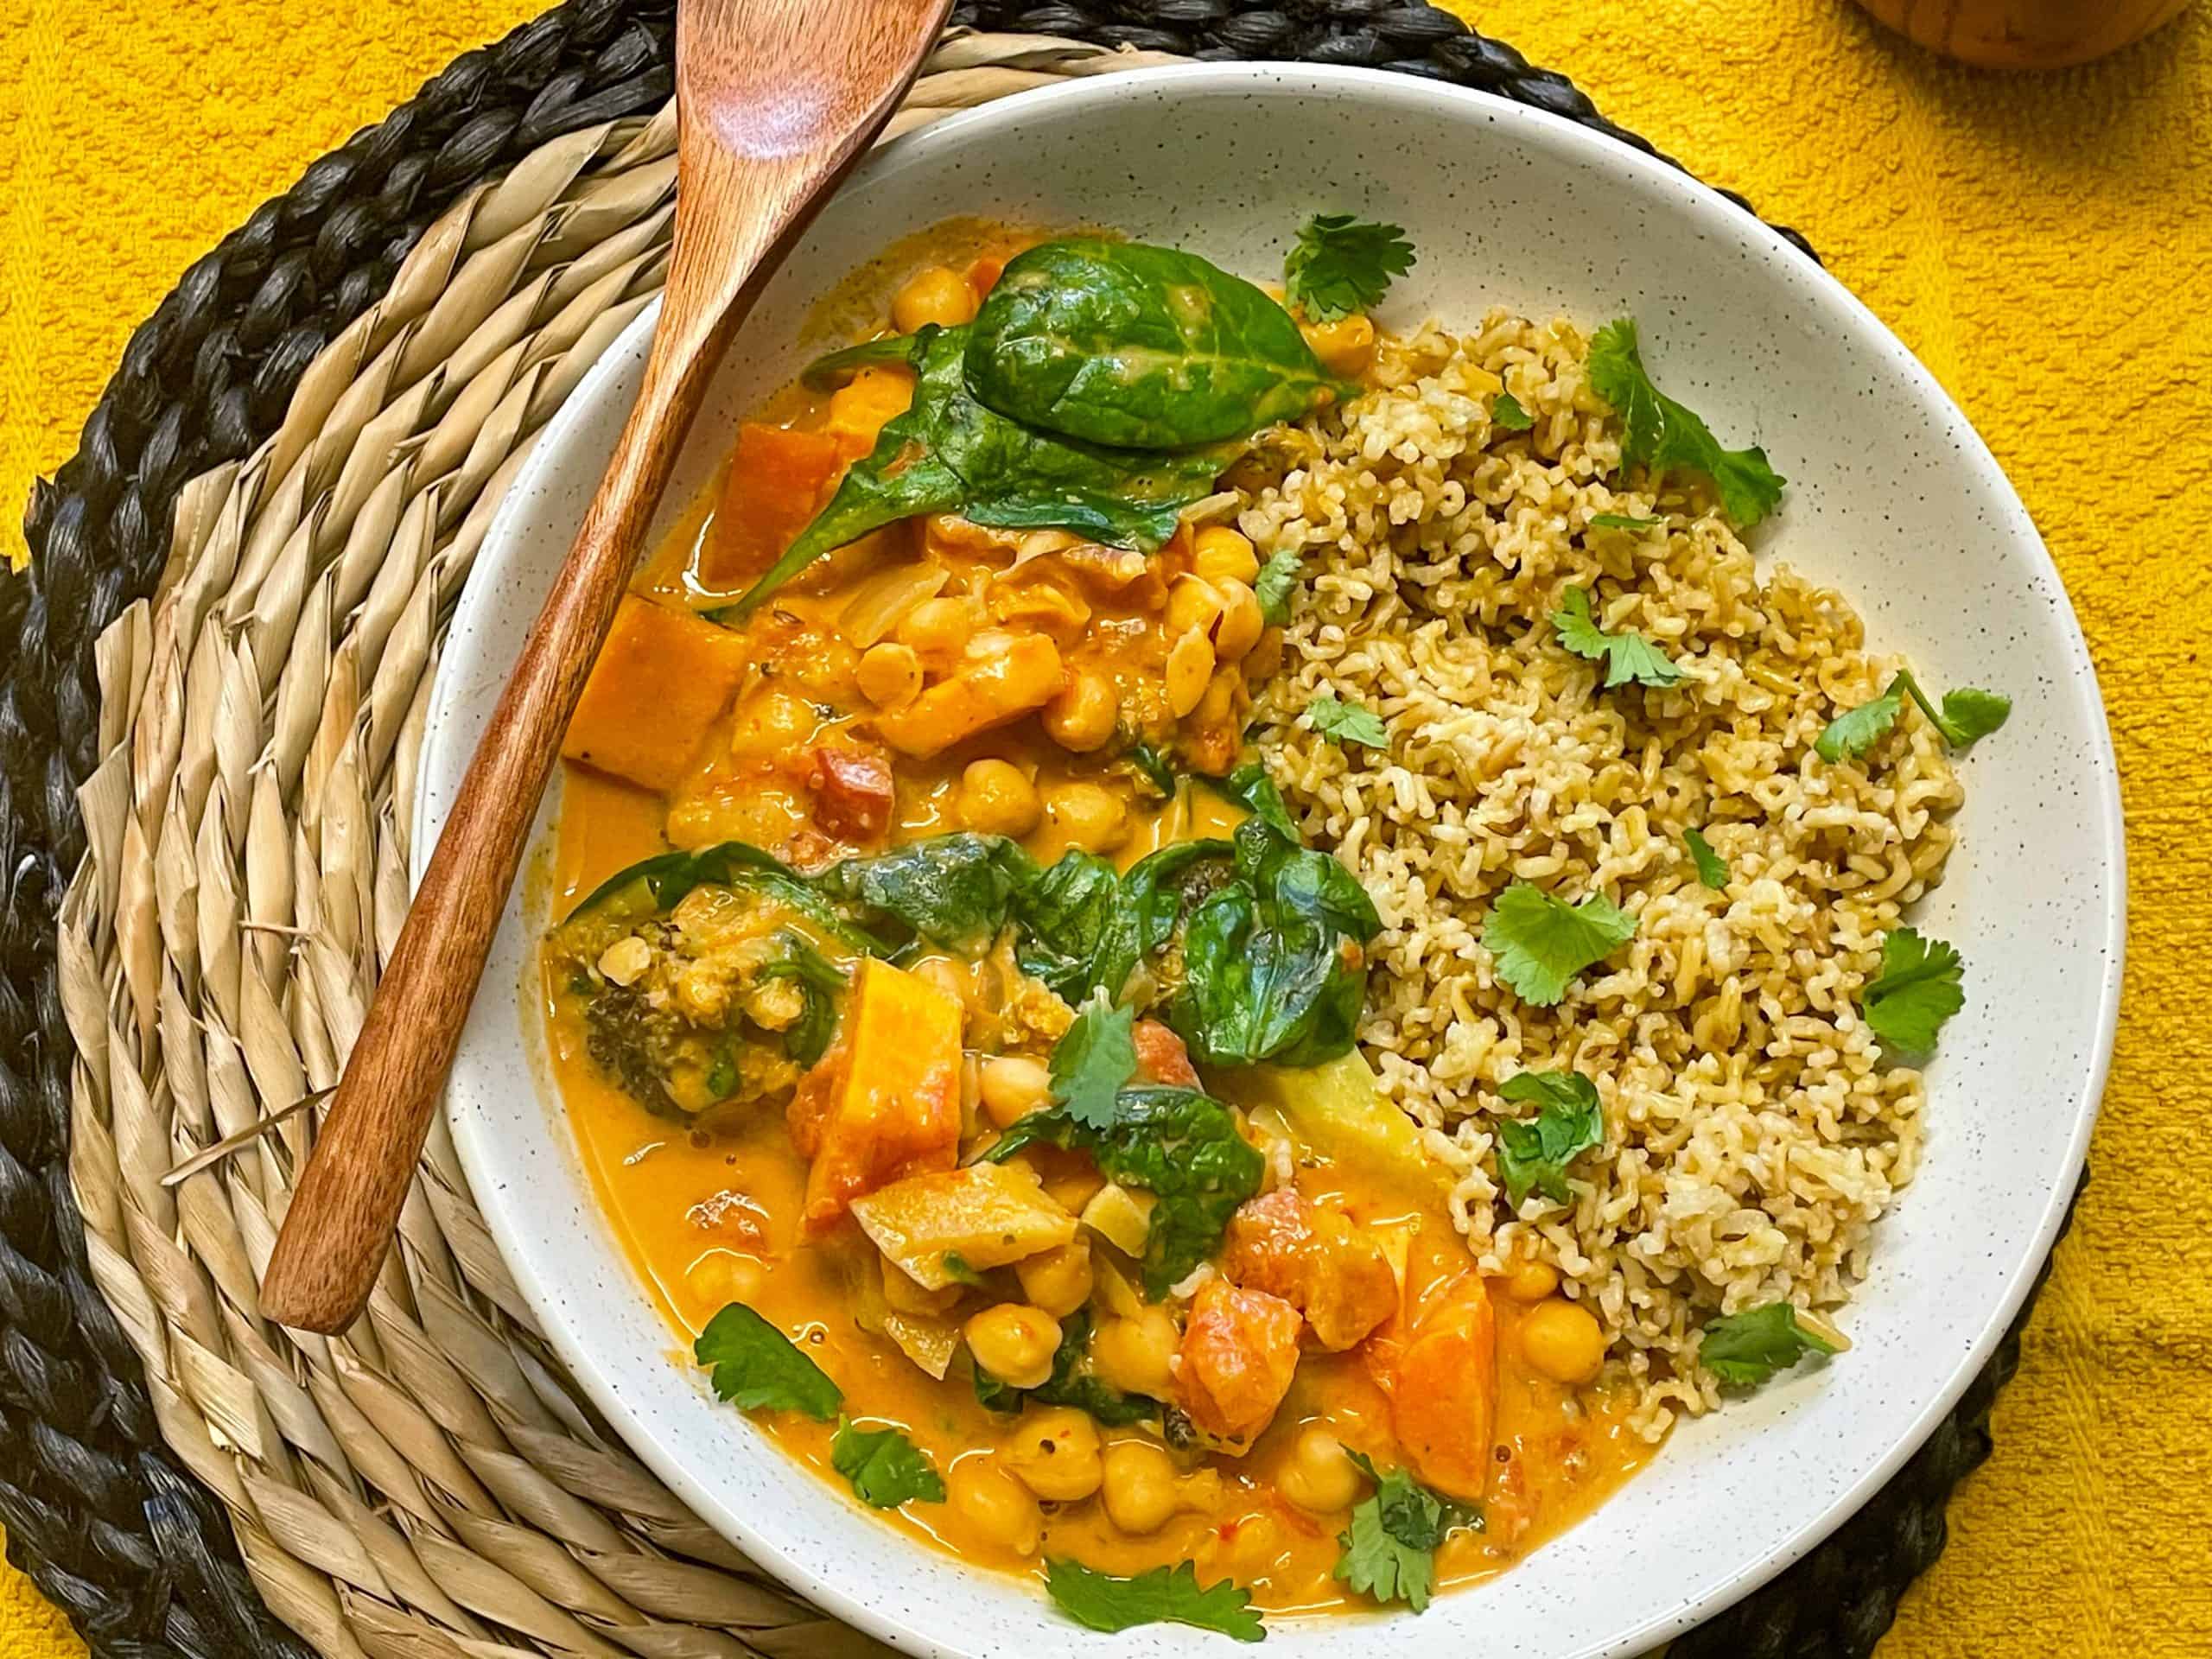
<point>207,737</point>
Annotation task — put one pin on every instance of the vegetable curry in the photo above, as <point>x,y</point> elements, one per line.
<point>958,1027</point>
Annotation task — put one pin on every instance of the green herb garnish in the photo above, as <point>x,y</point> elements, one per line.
<point>884,1467</point>
<point>1920,988</point>
<point>1272,587</point>
<point>1712,870</point>
<point>1166,1595</point>
<point>1743,1350</point>
<point>1624,521</point>
<point>1092,1060</point>
<point>1533,1156</point>
<point>1964,715</point>
<point>1342,264</point>
<point>1662,434</point>
<point>1347,723</point>
<point>1628,656</point>
<point>1542,943</point>
<point>757,1368</point>
<point>1507,415</point>
<point>1390,1553</point>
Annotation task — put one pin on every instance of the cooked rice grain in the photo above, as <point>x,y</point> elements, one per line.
<point>1753,1134</point>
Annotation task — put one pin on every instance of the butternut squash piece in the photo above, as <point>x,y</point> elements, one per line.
<point>1442,1381</point>
<point>777,480</point>
<point>885,1103</point>
<point>661,681</point>
<point>1314,1259</point>
<point>989,1214</point>
<point>1239,1353</point>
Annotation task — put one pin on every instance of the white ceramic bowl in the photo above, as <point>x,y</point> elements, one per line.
<point>1891,496</point>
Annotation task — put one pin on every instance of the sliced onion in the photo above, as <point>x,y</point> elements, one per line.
<point>881,602</point>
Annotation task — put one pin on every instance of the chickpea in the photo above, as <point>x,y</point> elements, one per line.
<point>1082,717</point>
<point>1134,1354</point>
<point>1088,815</point>
<point>1530,1282</point>
<point>889,676</point>
<point>1014,1343</point>
<point>934,294</point>
<point>771,721</point>
<point>1191,603</point>
<point>1190,666</point>
<point>722,1277</point>
<point>939,626</point>
<point>1318,1477</point>
<point>1562,1340</point>
<point>1057,1280</point>
<point>1053,1450</point>
<point>1345,346</point>
<point>1240,625</point>
<point>994,1502</point>
<point>1220,553</point>
<point>1139,1489</point>
<point>1012,1086</point>
<point>997,798</point>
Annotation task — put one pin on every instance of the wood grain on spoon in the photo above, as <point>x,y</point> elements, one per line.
<point>776,100</point>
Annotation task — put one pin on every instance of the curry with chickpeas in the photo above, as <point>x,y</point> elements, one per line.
<point>958,1026</point>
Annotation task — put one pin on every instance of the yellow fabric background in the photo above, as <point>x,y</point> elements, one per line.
<point>2044,243</point>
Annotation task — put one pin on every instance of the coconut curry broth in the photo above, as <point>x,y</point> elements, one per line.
<point>937,678</point>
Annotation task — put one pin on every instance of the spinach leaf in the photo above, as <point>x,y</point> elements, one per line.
<point>948,453</point>
<point>1072,1382</point>
<point>1076,934</point>
<point>835,367</point>
<point>1251,788</point>
<point>1272,962</point>
<point>807,1038</point>
<point>1161,888</point>
<point>1138,347</point>
<point>1177,1144</point>
<point>1156,766</point>
<point>667,877</point>
<point>955,889</point>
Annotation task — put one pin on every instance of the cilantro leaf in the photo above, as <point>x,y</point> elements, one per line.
<point>1711,869</point>
<point>886,1468</point>
<point>1745,1349</point>
<point>1389,1554</point>
<point>1542,943</point>
<point>1165,1595</point>
<point>1918,989</point>
<point>1533,1157</point>
<point>1507,415</point>
<point>758,1367</point>
<point>1628,656</point>
<point>1342,264</point>
<point>1965,714</point>
<point>1347,723</point>
<point>1624,521</point>
<point>1272,587</point>
<point>1851,734</point>
<point>1662,433</point>
<point>1093,1060</point>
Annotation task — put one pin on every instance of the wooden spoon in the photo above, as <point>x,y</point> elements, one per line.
<point>775,101</point>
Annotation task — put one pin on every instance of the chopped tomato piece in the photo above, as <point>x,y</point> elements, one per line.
<point>777,481</point>
<point>852,791</point>
<point>983,275</point>
<point>885,1102</point>
<point>662,679</point>
<point>1239,1353</point>
<point>1441,1376</point>
<point>1161,1056</point>
<point>1315,1260</point>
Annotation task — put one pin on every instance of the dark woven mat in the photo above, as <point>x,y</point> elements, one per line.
<point>98,1512</point>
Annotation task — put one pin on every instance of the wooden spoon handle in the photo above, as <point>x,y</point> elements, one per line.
<point>343,1212</point>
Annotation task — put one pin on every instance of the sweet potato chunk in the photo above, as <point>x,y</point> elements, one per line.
<point>777,481</point>
<point>1315,1260</point>
<point>987,1215</point>
<point>885,1103</point>
<point>1003,684</point>
<point>1442,1380</point>
<point>1239,1353</point>
<point>662,679</point>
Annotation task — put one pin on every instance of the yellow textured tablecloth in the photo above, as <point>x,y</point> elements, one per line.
<point>2044,243</point>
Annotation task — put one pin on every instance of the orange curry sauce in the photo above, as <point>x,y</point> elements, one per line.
<point>700,737</point>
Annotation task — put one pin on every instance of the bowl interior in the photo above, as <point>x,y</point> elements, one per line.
<point>1892,496</point>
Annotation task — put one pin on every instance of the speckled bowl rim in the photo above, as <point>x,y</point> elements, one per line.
<point>954,1629</point>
